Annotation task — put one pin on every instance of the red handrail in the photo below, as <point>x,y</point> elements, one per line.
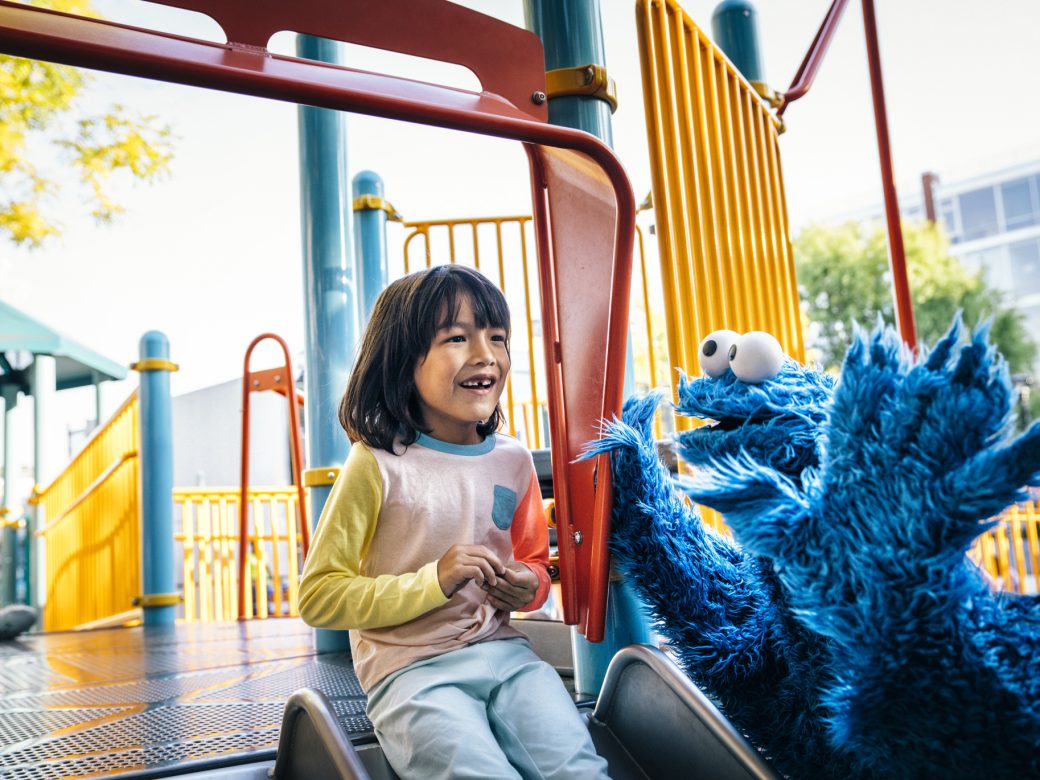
<point>806,74</point>
<point>281,381</point>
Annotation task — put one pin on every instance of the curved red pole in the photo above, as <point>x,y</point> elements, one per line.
<point>282,382</point>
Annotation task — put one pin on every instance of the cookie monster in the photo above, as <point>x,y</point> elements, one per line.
<point>931,674</point>
<point>721,608</point>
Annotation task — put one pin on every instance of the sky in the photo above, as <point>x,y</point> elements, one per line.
<point>211,255</point>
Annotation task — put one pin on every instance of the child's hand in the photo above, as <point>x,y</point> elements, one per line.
<point>465,562</point>
<point>515,588</point>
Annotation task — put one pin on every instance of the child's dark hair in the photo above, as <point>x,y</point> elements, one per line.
<point>381,401</point>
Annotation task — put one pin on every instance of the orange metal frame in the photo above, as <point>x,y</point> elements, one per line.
<point>281,381</point>
<point>584,204</point>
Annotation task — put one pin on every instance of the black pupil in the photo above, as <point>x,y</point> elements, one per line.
<point>733,352</point>
<point>709,347</point>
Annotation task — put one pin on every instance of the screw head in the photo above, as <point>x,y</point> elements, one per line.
<point>577,536</point>
<point>538,98</point>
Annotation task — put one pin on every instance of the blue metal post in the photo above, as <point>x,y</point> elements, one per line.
<point>159,599</point>
<point>572,34</point>
<point>734,25</point>
<point>9,539</point>
<point>330,295</point>
<point>370,224</point>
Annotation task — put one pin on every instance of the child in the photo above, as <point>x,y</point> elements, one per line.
<point>432,535</point>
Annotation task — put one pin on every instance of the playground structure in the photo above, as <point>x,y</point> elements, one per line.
<point>713,259</point>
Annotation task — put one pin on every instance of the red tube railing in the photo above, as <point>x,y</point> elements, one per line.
<point>281,381</point>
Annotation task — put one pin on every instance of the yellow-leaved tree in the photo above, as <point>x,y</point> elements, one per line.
<point>41,119</point>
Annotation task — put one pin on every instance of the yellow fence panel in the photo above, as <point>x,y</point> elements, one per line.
<point>723,240</point>
<point>92,527</point>
<point>206,537</point>
<point>502,249</point>
<point>1010,552</point>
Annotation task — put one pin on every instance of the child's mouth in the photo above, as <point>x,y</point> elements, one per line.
<point>480,384</point>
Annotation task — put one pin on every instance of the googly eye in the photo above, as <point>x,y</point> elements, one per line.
<point>755,357</point>
<point>714,352</point>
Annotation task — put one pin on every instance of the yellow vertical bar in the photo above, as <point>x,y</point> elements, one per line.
<point>1015,526</point>
<point>722,288</point>
<point>649,16</point>
<point>216,532</point>
<point>260,524</point>
<point>754,297</point>
<point>1032,520</point>
<point>205,564</point>
<point>695,186</point>
<point>740,308</point>
<point>511,416</point>
<point>521,224</point>
<point>276,569</point>
<point>188,570</point>
<point>476,250</point>
<point>790,332</point>
<point>1003,562</point>
<point>758,219</point>
<point>768,218</point>
<point>293,555</point>
<point>707,280</point>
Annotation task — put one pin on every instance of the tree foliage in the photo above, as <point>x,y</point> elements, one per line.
<point>844,277</point>
<point>40,125</point>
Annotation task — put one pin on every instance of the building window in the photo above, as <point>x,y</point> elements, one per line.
<point>978,214</point>
<point>1025,267</point>
<point>948,217</point>
<point>1020,203</point>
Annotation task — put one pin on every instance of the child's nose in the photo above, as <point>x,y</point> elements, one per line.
<point>483,353</point>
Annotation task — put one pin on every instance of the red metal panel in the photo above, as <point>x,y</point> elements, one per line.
<point>587,221</point>
<point>584,204</point>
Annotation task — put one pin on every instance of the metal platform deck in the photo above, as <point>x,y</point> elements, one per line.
<point>149,702</point>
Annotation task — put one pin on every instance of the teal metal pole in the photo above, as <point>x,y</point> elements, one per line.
<point>330,294</point>
<point>8,556</point>
<point>734,25</point>
<point>156,481</point>
<point>370,224</point>
<point>572,34</point>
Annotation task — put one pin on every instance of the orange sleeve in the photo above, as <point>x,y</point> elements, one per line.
<point>530,536</point>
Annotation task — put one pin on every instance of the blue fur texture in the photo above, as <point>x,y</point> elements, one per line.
<point>848,635</point>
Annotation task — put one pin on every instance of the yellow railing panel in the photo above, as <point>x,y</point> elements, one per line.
<point>206,533</point>
<point>91,527</point>
<point>1010,552</point>
<point>499,248</point>
<point>724,244</point>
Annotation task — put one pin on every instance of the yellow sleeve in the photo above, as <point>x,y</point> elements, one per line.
<point>333,594</point>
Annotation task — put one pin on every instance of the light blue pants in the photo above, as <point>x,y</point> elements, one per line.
<point>490,710</point>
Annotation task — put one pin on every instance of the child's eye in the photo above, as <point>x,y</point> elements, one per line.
<point>456,339</point>
<point>499,337</point>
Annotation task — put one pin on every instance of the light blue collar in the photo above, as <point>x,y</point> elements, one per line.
<point>482,448</point>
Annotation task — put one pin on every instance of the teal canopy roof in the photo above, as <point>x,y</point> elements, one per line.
<point>75,365</point>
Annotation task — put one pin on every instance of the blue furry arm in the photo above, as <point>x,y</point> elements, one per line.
<point>709,598</point>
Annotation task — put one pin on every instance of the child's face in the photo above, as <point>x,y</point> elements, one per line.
<point>461,378</point>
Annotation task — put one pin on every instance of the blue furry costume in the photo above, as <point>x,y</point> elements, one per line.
<point>847,634</point>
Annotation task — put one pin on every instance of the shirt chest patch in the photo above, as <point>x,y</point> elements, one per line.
<point>504,507</point>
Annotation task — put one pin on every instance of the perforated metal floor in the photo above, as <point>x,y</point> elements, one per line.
<point>139,702</point>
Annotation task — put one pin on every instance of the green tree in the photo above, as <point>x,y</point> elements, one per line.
<point>844,277</point>
<point>39,116</point>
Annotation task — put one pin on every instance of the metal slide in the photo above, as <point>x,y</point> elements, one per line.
<point>651,723</point>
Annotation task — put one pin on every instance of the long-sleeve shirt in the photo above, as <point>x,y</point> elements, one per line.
<point>372,567</point>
